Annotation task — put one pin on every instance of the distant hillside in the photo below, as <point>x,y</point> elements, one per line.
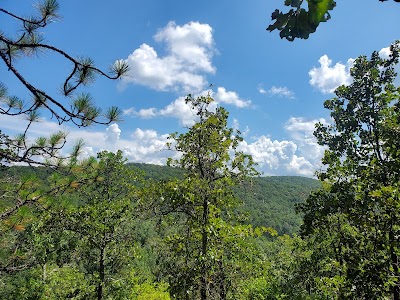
<point>267,201</point>
<point>158,172</point>
<point>271,201</point>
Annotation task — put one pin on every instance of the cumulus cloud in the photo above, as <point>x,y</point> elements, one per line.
<point>300,154</point>
<point>178,109</point>
<point>191,43</point>
<point>297,155</point>
<point>229,97</point>
<point>236,126</point>
<point>181,111</point>
<point>87,152</point>
<point>272,153</point>
<point>277,91</point>
<point>276,157</point>
<point>301,166</point>
<point>112,134</point>
<point>301,131</point>
<point>146,146</point>
<point>189,52</point>
<point>300,127</point>
<point>327,78</point>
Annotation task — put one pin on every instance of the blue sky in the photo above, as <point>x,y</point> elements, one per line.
<point>273,89</point>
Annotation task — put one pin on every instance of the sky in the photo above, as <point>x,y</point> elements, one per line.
<point>273,89</point>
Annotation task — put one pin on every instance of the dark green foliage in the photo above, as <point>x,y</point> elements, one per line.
<point>300,22</point>
<point>266,201</point>
<point>207,251</point>
<point>56,244</point>
<point>355,215</point>
<point>158,172</point>
<point>271,201</point>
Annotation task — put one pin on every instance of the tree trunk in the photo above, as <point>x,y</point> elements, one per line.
<point>396,288</point>
<point>101,274</point>
<point>44,273</point>
<point>204,245</point>
<point>395,266</point>
<point>222,283</point>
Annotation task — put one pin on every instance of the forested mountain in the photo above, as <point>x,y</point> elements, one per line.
<point>266,201</point>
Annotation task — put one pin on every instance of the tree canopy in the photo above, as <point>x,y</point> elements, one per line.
<point>208,247</point>
<point>355,215</point>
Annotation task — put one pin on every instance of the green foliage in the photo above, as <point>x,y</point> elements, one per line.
<point>106,212</point>
<point>157,172</point>
<point>88,237</point>
<point>147,291</point>
<point>355,215</point>
<point>147,249</point>
<point>271,201</point>
<point>264,201</point>
<point>299,22</point>
<point>66,283</point>
<point>207,252</point>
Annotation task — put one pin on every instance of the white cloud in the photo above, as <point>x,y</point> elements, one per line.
<point>87,152</point>
<point>302,132</point>
<point>385,52</point>
<point>277,91</point>
<point>112,134</point>
<point>178,109</point>
<point>140,134</point>
<point>229,97</point>
<point>261,90</point>
<point>181,111</point>
<point>327,78</point>
<point>93,139</point>
<point>146,146</point>
<point>301,166</point>
<point>278,157</point>
<point>273,157</point>
<point>299,155</point>
<point>236,126</point>
<point>190,49</point>
<point>145,113</point>
<point>301,126</point>
<point>191,43</point>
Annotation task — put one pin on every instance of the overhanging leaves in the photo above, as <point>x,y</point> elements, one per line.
<point>299,22</point>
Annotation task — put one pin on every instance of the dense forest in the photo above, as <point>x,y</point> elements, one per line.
<point>54,251</point>
<point>205,226</point>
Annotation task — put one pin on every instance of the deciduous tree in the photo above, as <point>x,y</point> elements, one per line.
<point>358,209</point>
<point>206,251</point>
